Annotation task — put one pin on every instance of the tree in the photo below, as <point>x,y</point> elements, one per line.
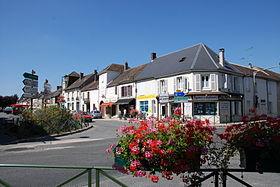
<point>8,100</point>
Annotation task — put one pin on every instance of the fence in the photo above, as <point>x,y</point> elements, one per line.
<point>84,171</point>
<point>219,175</point>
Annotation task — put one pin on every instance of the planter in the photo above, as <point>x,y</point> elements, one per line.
<point>260,160</point>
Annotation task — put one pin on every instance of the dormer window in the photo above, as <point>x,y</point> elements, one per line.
<point>182,59</point>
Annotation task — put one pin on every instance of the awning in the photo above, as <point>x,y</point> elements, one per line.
<point>107,104</point>
<point>124,101</point>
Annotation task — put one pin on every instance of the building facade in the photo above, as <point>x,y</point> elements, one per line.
<point>196,79</point>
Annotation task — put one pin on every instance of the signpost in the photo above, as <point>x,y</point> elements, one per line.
<point>30,85</point>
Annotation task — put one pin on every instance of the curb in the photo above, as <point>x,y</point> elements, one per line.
<point>50,136</point>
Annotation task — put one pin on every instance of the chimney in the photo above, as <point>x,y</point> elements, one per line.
<point>126,66</point>
<point>153,56</point>
<point>81,75</point>
<point>95,75</point>
<point>222,57</point>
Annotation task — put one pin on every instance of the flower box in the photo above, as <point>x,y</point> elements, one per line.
<point>258,141</point>
<point>167,146</point>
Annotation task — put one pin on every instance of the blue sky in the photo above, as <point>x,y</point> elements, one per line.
<point>55,37</point>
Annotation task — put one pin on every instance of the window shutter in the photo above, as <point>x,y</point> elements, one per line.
<point>175,84</point>
<point>184,84</point>
<point>166,85</point>
<point>197,82</point>
<point>226,82</point>
<point>158,86</point>
<point>213,81</point>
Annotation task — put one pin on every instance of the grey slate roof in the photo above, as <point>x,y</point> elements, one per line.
<point>113,67</point>
<point>127,76</point>
<point>81,82</point>
<point>54,94</point>
<point>74,74</point>
<point>196,58</point>
<point>91,86</point>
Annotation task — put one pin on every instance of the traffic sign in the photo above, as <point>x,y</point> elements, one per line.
<point>29,89</point>
<point>27,95</point>
<point>30,82</point>
<point>179,94</point>
<point>181,99</point>
<point>30,76</point>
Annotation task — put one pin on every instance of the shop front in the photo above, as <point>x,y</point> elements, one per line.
<point>107,109</point>
<point>124,106</point>
<point>147,105</point>
<point>220,108</point>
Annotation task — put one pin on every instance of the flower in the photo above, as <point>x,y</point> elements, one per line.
<point>256,136</point>
<point>169,146</point>
<point>154,178</point>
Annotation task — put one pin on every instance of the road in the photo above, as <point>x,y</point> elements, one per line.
<point>86,149</point>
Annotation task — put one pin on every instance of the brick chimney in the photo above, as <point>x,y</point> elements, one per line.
<point>81,75</point>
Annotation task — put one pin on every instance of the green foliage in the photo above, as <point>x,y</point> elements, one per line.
<point>51,120</point>
<point>7,100</point>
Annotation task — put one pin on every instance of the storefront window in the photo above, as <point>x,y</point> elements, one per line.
<point>144,106</point>
<point>205,108</point>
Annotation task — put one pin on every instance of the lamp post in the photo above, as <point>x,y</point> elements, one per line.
<point>255,71</point>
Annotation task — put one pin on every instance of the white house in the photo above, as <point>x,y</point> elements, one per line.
<point>107,96</point>
<point>124,89</point>
<point>202,83</point>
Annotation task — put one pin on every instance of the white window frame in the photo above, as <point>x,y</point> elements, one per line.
<point>179,83</point>
<point>163,86</point>
<point>205,85</point>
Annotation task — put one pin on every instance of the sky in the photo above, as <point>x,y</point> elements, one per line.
<point>56,37</point>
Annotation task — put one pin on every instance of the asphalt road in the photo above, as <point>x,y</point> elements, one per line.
<point>86,149</point>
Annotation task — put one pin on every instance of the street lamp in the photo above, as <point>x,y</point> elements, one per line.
<point>255,71</point>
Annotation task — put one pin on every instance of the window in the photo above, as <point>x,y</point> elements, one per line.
<point>144,106</point>
<point>179,83</point>
<point>205,81</point>
<point>72,106</point>
<point>205,108</point>
<point>116,90</point>
<point>83,95</point>
<point>163,86</point>
<point>126,91</point>
<point>87,95</point>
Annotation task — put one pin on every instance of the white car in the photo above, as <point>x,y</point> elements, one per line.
<point>96,114</point>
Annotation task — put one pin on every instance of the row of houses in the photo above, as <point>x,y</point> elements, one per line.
<point>208,86</point>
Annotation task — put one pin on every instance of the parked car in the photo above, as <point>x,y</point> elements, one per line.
<point>8,110</point>
<point>96,114</point>
<point>84,116</point>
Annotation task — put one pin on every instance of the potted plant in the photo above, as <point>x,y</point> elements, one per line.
<point>258,141</point>
<point>168,146</point>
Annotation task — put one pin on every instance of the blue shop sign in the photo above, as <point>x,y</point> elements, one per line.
<point>179,94</point>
